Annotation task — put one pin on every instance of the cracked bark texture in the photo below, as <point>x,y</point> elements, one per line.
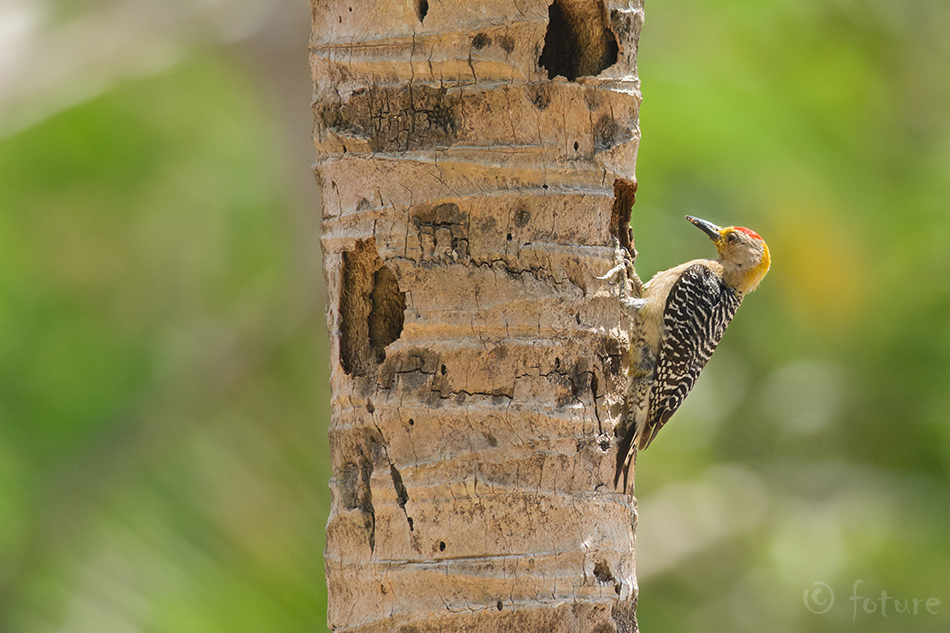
<point>476,161</point>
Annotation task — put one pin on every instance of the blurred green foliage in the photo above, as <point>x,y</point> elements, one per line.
<point>164,400</point>
<point>816,446</point>
<point>162,408</point>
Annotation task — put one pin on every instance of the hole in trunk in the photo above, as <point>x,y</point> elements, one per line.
<point>371,309</point>
<point>578,41</point>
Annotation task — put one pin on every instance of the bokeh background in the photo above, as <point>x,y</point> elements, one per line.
<point>163,353</point>
<point>163,370</point>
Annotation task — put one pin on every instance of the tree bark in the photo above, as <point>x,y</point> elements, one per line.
<point>476,161</point>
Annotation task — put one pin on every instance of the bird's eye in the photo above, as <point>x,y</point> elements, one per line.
<point>731,238</point>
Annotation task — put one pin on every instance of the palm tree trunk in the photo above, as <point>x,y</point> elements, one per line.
<point>476,160</point>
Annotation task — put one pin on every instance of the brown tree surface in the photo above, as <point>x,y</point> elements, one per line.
<point>476,161</point>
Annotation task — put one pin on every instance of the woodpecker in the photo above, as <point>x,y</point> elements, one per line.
<point>682,314</point>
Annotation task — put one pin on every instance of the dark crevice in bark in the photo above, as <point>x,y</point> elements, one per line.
<point>625,194</point>
<point>402,495</point>
<point>624,615</point>
<point>356,494</point>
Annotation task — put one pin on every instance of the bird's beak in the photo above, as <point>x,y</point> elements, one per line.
<point>710,229</point>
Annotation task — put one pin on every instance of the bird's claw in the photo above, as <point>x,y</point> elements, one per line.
<point>632,304</point>
<point>626,278</point>
<point>610,274</point>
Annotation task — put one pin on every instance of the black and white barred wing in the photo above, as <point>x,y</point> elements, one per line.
<point>698,309</point>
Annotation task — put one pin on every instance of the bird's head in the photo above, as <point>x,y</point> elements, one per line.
<point>743,253</point>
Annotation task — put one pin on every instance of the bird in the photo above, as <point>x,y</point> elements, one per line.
<point>681,315</point>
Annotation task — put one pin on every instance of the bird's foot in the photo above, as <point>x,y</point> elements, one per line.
<point>624,275</point>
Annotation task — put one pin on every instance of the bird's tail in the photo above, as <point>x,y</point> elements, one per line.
<point>626,457</point>
<point>636,432</point>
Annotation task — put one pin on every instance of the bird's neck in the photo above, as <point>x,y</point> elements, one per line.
<point>742,279</point>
